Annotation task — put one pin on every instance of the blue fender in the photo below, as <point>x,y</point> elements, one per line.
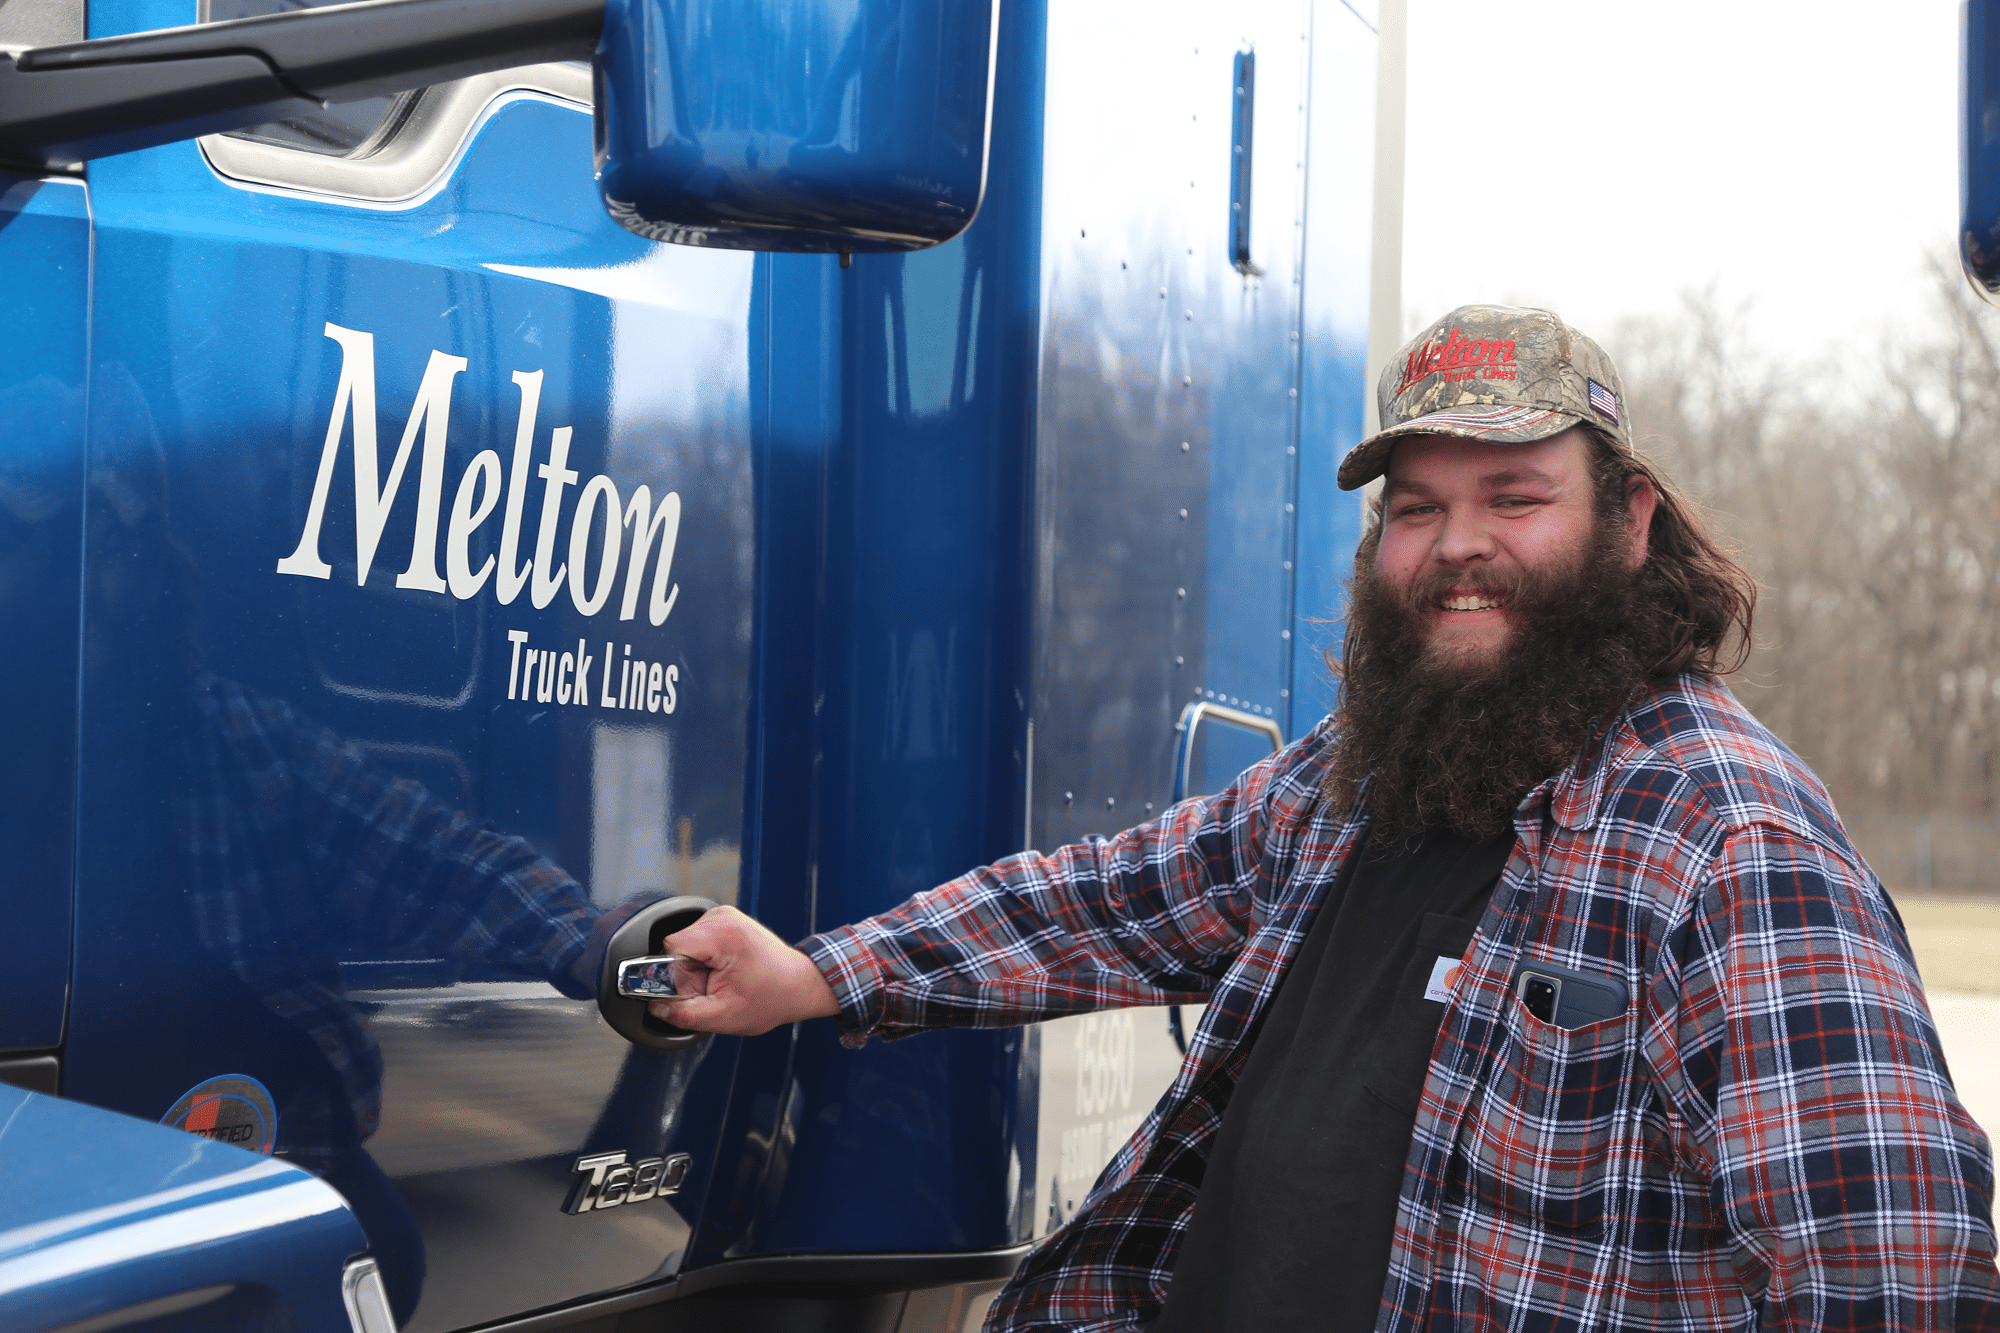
<point>103,1213</point>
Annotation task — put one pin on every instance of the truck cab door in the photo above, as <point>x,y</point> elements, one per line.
<point>416,587</point>
<point>45,253</point>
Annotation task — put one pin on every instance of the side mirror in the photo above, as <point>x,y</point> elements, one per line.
<point>817,125</point>
<point>1979,147</point>
<point>801,125</point>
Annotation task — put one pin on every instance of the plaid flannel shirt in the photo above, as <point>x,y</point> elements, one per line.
<point>1766,1138</point>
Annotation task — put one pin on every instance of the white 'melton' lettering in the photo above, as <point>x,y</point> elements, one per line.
<point>480,491</point>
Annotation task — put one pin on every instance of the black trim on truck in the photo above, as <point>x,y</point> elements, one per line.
<point>60,105</point>
<point>793,1293</point>
<point>36,1073</point>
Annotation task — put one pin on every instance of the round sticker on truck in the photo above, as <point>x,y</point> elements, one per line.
<point>230,1108</point>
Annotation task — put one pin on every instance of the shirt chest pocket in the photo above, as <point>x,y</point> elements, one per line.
<point>1541,1138</point>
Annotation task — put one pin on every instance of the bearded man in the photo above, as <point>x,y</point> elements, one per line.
<point>1545,989</point>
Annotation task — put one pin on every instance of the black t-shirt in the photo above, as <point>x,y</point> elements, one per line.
<point>1292,1226</point>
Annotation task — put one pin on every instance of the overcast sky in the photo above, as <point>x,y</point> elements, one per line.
<point>1601,158</point>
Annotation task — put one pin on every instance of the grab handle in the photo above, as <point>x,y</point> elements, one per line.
<point>1192,717</point>
<point>636,959</point>
<point>1240,136</point>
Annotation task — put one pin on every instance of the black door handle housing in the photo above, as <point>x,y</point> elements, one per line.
<point>642,937</point>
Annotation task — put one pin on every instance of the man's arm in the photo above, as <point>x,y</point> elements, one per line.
<point>1152,916</point>
<point>1856,1190</point>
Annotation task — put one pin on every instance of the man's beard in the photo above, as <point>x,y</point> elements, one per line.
<point>1454,741</point>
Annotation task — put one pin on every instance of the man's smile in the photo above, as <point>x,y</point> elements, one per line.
<point>1471,602</point>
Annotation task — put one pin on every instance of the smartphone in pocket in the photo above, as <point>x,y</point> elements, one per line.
<point>1567,998</point>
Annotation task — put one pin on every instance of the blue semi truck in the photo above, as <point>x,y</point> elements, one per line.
<point>481,482</point>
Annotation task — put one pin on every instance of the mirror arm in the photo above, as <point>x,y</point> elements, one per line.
<point>61,105</point>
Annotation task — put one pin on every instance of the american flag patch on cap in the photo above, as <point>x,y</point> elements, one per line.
<point>1604,401</point>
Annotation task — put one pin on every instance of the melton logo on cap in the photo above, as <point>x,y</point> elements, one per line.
<point>1459,358</point>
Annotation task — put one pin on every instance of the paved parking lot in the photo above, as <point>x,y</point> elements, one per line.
<point>1957,941</point>
<point>1970,1027</point>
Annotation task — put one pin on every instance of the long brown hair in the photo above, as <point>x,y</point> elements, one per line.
<point>1711,599</point>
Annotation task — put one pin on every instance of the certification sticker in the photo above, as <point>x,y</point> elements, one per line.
<point>230,1108</point>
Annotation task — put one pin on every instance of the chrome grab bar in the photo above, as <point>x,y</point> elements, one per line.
<point>1191,717</point>
<point>662,977</point>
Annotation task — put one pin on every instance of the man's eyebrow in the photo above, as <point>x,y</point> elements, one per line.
<point>1492,480</point>
<point>1514,476</point>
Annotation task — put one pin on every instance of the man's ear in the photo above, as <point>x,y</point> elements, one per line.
<point>1640,502</point>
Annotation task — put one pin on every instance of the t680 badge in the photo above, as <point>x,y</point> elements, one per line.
<point>607,1180</point>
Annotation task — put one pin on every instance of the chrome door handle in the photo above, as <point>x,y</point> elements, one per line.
<point>637,970</point>
<point>662,977</point>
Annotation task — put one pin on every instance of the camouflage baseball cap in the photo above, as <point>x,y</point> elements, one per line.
<point>1498,373</point>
